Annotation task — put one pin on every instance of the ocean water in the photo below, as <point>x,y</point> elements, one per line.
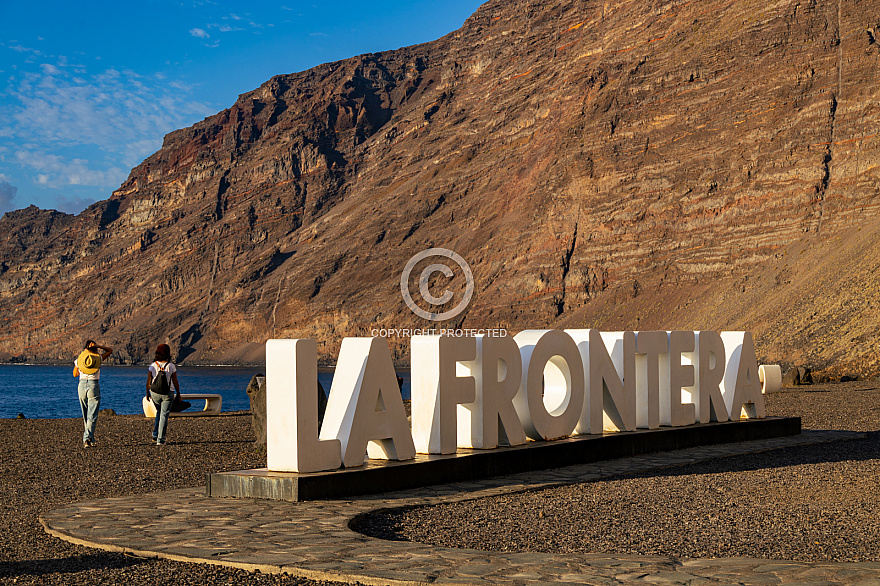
<point>49,392</point>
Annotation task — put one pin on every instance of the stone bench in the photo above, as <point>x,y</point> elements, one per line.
<point>213,403</point>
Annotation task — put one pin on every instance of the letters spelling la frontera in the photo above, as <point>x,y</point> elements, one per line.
<point>485,392</point>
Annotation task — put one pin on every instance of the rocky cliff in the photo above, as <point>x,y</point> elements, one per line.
<point>646,165</point>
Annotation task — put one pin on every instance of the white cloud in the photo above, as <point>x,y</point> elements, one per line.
<point>107,109</point>
<point>71,128</point>
<point>58,171</point>
<point>240,19</point>
<point>7,194</point>
<point>22,49</point>
<point>234,23</point>
<point>73,205</point>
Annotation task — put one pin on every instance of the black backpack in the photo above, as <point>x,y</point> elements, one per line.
<point>160,382</point>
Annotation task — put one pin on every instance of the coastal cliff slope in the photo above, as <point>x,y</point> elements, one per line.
<point>639,165</point>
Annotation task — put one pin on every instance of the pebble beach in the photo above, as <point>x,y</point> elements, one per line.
<point>809,503</point>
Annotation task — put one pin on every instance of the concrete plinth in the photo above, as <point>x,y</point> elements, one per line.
<point>378,476</point>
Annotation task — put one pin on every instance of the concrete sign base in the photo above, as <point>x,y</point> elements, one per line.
<point>378,476</point>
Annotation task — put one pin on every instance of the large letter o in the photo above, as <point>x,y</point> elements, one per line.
<point>551,394</point>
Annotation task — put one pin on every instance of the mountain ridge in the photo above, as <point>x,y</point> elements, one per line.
<point>583,157</point>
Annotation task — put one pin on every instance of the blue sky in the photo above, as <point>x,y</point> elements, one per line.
<point>88,89</point>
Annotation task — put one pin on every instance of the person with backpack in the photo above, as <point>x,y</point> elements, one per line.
<point>162,389</point>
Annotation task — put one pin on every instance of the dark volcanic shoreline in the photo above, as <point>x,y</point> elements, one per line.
<point>811,503</point>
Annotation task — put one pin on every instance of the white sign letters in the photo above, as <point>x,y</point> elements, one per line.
<point>484,392</point>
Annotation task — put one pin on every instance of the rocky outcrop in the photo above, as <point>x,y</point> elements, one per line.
<point>256,391</point>
<point>797,376</point>
<point>613,165</point>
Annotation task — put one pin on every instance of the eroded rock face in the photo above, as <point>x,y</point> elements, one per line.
<point>613,165</point>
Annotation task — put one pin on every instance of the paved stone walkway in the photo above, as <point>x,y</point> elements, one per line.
<point>312,539</point>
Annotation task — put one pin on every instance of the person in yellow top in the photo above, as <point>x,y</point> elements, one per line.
<point>88,368</point>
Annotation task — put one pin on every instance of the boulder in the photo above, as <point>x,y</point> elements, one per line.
<point>256,391</point>
<point>798,375</point>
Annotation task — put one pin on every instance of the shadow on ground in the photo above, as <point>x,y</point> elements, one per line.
<point>70,565</point>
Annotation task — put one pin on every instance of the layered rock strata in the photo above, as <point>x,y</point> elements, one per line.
<point>644,165</point>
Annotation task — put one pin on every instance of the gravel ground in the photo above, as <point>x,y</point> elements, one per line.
<point>811,503</point>
<point>44,467</point>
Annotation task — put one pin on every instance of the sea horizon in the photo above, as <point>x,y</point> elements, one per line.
<point>49,391</point>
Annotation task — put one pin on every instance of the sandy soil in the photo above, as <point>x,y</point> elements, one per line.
<point>810,503</point>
